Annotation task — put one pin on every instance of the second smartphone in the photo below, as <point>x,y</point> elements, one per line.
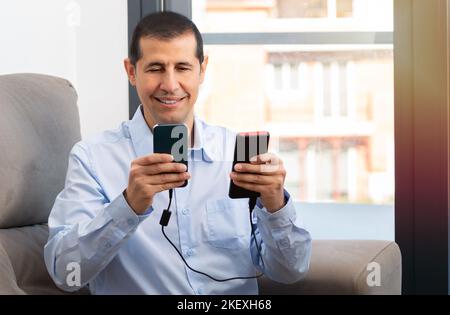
<point>248,145</point>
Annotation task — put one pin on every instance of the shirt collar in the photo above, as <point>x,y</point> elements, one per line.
<point>142,137</point>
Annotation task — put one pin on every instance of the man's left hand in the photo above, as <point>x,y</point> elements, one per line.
<point>265,174</point>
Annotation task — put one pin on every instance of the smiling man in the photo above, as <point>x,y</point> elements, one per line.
<point>167,75</point>
<point>105,222</point>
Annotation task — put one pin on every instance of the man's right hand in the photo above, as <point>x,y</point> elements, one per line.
<point>149,175</point>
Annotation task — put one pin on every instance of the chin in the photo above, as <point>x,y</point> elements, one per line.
<point>172,120</point>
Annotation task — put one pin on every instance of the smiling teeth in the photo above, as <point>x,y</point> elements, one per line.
<point>168,102</point>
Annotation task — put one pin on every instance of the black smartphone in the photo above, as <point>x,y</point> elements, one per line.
<point>248,145</point>
<point>172,139</point>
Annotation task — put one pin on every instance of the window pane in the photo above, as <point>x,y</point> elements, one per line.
<point>337,136</point>
<point>301,9</point>
<point>278,77</point>
<point>329,108</point>
<point>344,8</point>
<point>231,16</point>
<point>293,76</point>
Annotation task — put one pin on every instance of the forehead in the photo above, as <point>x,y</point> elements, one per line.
<point>180,48</point>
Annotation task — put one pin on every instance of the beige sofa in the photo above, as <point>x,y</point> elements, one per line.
<point>39,123</point>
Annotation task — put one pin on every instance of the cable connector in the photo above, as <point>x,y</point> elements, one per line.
<point>165,217</point>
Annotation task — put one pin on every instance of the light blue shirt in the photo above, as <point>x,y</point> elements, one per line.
<point>118,252</point>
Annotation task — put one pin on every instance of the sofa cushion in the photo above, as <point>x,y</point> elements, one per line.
<point>39,124</point>
<point>340,267</point>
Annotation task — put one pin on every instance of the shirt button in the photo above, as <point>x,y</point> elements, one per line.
<point>199,291</point>
<point>130,222</point>
<point>189,252</point>
<point>185,211</point>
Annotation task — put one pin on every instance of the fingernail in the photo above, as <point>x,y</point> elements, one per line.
<point>238,167</point>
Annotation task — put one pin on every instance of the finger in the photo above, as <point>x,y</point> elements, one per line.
<point>154,158</point>
<point>163,168</point>
<point>248,186</point>
<point>168,186</point>
<point>258,168</point>
<point>265,158</point>
<point>252,178</point>
<point>267,169</point>
<point>167,178</point>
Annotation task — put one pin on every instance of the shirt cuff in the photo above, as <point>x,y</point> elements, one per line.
<point>281,218</point>
<point>123,215</point>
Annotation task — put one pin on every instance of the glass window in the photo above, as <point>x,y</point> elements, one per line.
<point>344,8</point>
<point>236,16</point>
<point>301,9</point>
<point>329,107</point>
<point>293,76</point>
<point>278,77</point>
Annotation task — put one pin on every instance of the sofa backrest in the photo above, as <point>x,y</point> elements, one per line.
<point>39,124</point>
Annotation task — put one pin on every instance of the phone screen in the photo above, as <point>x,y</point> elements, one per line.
<point>247,145</point>
<point>172,139</point>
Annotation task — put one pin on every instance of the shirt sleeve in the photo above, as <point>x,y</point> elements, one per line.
<point>284,242</point>
<point>86,230</point>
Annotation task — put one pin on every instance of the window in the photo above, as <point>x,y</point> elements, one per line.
<point>314,8</point>
<point>335,89</point>
<point>286,77</point>
<point>327,102</point>
<point>278,80</point>
<point>302,9</point>
<point>416,181</point>
<point>344,8</point>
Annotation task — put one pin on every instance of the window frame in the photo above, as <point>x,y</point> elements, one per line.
<point>422,142</point>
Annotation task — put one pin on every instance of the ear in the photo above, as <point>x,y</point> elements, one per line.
<point>203,68</point>
<point>131,71</point>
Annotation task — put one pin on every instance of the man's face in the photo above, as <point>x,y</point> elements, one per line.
<point>167,78</point>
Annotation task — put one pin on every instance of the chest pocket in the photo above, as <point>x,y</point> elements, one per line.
<point>228,223</point>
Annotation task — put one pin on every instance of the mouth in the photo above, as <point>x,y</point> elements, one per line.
<point>169,101</point>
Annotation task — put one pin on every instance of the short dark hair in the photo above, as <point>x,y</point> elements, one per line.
<point>163,25</point>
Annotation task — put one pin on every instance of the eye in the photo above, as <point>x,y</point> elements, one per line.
<point>153,70</point>
<point>183,69</point>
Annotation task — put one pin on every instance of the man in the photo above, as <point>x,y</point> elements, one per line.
<point>106,219</point>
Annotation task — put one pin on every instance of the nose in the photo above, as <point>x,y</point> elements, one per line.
<point>169,82</point>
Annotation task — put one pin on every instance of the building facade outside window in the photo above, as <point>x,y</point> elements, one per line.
<point>328,107</point>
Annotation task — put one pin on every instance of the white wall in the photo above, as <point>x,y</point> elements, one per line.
<point>83,41</point>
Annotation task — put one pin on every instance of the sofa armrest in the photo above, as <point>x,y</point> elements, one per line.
<point>342,267</point>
